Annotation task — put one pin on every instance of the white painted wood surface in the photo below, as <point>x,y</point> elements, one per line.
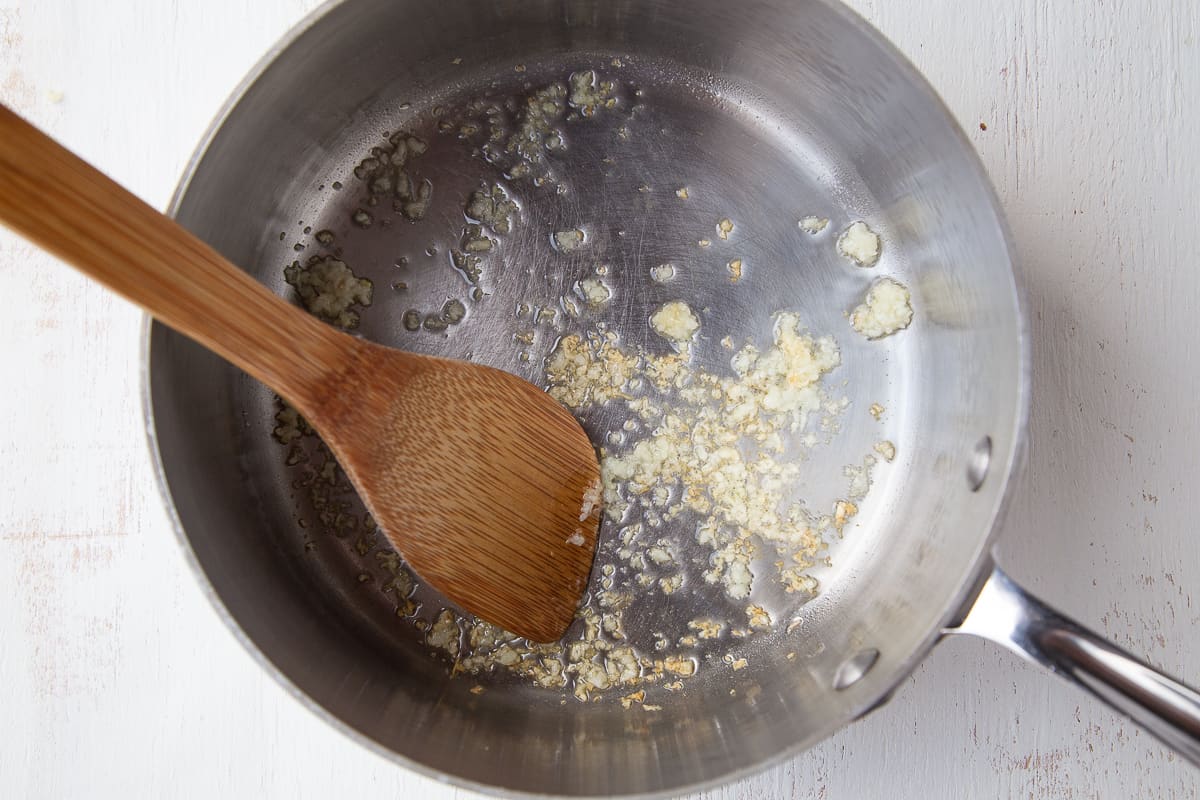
<point>118,680</point>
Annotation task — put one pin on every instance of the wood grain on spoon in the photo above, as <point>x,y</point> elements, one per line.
<point>479,479</point>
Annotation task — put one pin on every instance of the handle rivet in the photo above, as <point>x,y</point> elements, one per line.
<point>977,467</point>
<point>854,668</point>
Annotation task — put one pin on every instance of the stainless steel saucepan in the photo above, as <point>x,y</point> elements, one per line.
<point>765,112</point>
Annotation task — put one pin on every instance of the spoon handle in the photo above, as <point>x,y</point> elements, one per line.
<point>60,202</point>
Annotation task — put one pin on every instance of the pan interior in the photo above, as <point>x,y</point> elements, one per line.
<point>760,115</point>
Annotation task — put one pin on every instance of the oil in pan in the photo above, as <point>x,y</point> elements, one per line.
<point>564,222</point>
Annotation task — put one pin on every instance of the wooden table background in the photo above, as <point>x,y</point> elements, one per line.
<point>118,680</point>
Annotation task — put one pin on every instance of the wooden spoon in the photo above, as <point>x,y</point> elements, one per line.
<point>486,486</point>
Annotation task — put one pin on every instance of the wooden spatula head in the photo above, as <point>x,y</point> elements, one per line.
<point>487,486</point>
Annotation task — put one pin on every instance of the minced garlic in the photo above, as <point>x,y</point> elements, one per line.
<point>758,617</point>
<point>328,289</point>
<point>445,633</point>
<point>291,425</point>
<point>702,464</point>
<point>813,225</point>
<point>885,310</point>
<point>707,628</point>
<point>675,321</point>
<point>566,241</point>
<point>692,443</point>
<point>582,373</point>
<point>589,92</point>
<point>591,501</point>
<point>595,291</point>
<point>860,244</point>
<point>491,206</point>
<point>662,273</point>
<point>714,445</point>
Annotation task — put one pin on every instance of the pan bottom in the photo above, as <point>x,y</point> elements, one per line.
<point>548,213</point>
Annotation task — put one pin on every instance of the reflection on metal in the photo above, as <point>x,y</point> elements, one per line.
<point>1007,614</point>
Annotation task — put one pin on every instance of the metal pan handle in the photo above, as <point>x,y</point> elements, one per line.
<point>1007,614</point>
